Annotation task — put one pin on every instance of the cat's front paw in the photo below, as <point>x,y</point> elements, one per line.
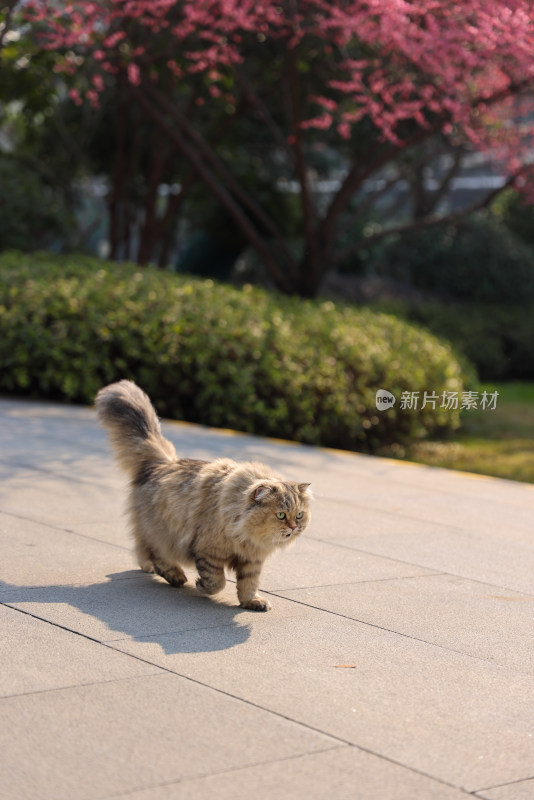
<point>256,604</point>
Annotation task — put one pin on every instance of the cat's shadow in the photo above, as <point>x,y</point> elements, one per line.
<point>132,606</point>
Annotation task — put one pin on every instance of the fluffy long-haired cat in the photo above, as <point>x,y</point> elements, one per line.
<point>208,513</point>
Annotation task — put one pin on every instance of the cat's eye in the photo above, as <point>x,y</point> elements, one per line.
<point>300,514</point>
<point>280,514</point>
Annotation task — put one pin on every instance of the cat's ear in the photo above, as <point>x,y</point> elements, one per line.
<point>304,489</point>
<point>260,492</point>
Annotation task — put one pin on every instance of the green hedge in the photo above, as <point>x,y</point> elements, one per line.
<point>32,214</point>
<point>211,353</point>
<point>497,339</point>
<point>478,260</point>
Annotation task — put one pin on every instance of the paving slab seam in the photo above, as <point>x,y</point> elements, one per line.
<point>302,724</point>
<point>312,538</point>
<point>521,485</point>
<point>109,642</point>
<point>340,741</point>
<point>394,514</point>
<point>306,725</point>
<point>478,792</point>
<point>400,634</point>
<point>109,646</point>
<point>54,624</point>
<point>64,530</point>
<point>229,771</point>
<point>365,552</point>
<point>420,566</point>
<point>289,718</point>
<point>37,587</point>
<point>54,473</point>
<point>187,780</point>
<point>70,686</point>
<point>395,560</point>
<point>300,602</point>
<point>337,739</point>
<point>478,581</point>
<point>353,583</point>
<point>397,513</point>
<point>93,449</point>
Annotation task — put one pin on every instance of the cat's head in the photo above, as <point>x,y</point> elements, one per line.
<point>278,511</point>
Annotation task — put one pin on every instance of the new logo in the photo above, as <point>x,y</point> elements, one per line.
<point>384,400</point>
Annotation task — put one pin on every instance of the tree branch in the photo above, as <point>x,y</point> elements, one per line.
<point>207,153</point>
<point>308,210</point>
<point>432,198</point>
<point>265,114</point>
<point>356,175</point>
<point>10,6</point>
<point>118,176</point>
<point>364,207</point>
<point>165,225</point>
<point>160,154</point>
<point>218,189</point>
<point>431,220</point>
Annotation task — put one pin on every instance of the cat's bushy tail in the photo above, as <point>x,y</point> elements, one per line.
<point>133,427</point>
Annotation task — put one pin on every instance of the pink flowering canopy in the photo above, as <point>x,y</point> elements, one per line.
<point>385,73</point>
<point>388,60</point>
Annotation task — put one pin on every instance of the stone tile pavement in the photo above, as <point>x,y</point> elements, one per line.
<point>397,663</point>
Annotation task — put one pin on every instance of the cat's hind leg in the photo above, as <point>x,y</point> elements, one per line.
<point>172,573</point>
<point>150,562</point>
<point>144,556</point>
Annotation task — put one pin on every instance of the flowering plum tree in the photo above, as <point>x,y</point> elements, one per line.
<point>374,79</point>
<point>7,10</point>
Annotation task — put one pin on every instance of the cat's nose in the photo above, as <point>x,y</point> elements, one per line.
<point>293,527</point>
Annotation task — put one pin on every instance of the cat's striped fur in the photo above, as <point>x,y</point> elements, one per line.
<point>212,514</point>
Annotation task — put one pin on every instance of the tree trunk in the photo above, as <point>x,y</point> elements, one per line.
<point>167,224</point>
<point>117,191</point>
<point>312,271</point>
<point>148,235</point>
<point>219,180</point>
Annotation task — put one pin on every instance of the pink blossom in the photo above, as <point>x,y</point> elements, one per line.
<point>74,95</point>
<point>114,39</point>
<point>326,102</point>
<point>92,96</point>
<point>175,68</point>
<point>344,130</point>
<point>387,61</point>
<point>134,74</point>
<point>322,123</point>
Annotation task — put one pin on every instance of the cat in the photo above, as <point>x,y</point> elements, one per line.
<point>184,511</point>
